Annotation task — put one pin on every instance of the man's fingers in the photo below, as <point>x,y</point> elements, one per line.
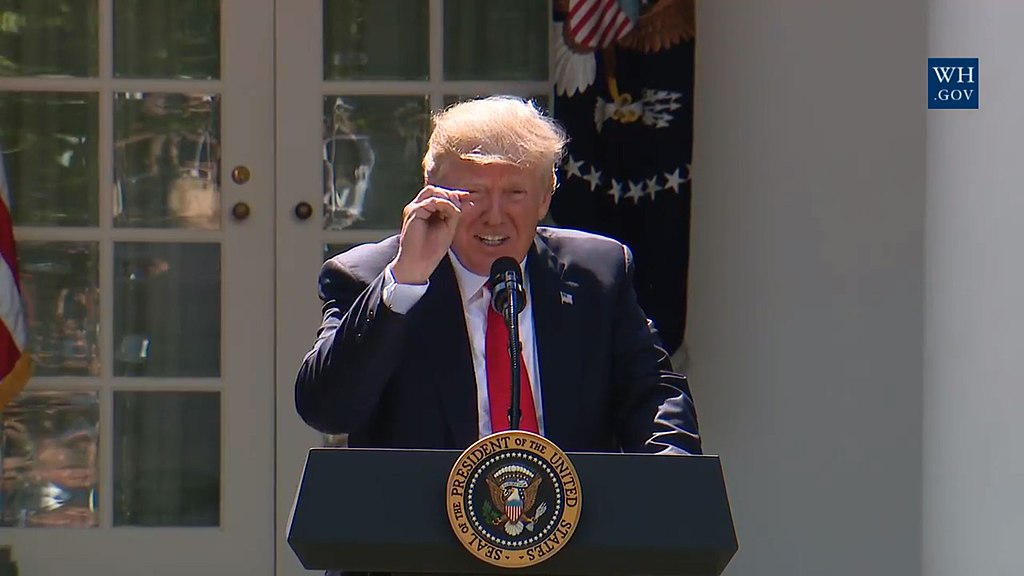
<point>430,191</point>
<point>456,196</point>
<point>424,193</point>
<point>432,206</point>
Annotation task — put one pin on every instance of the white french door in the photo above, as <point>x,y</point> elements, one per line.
<point>144,442</point>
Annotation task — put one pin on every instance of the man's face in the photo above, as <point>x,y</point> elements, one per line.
<point>500,219</point>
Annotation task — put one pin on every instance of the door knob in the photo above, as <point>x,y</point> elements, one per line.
<point>241,174</point>
<point>303,210</point>
<point>240,211</point>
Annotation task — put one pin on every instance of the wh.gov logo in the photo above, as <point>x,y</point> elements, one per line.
<point>953,83</point>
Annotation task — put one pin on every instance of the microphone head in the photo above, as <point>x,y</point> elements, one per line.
<point>505,264</point>
<point>506,281</point>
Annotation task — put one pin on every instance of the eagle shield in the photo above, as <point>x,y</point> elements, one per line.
<point>514,505</point>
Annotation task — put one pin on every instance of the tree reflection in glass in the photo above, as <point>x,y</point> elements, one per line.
<point>49,449</point>
<point>49,38</point>
<point>60,285</point>
<point>167,309</point>
<point>167,39</point>
<point>166,160</point>
<point>361,135</point>
<point>49,143</point>
<point>496,40</point>
<point>376,39</point>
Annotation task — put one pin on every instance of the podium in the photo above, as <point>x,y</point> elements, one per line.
<point>379,510</point>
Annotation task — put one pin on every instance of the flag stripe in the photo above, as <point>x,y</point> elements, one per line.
<point>595,32</point>
<point>15,363</point>
<point>624,28</point>
<point>7,232</point>
<point>597,23</point>
<point>580,10</point>
<point>10,351</point>
<point>12,316</point>
<point>13,383</point>
<point>613,28</point>
<point>582,20</point>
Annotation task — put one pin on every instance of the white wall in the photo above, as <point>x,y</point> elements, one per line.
<point>974,346</point>
<point>807,269</point>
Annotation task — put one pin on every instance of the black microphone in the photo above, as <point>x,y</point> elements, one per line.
<point>508,298</point>
<point>508,294</point>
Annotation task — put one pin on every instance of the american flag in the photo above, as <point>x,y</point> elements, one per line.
<point>630,178</point>
<point>15,362</point>
<point>596,23</point>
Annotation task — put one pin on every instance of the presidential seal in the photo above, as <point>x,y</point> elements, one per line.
<point>513,499</point>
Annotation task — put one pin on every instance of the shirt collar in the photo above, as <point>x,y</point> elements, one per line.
<point>471,285</point>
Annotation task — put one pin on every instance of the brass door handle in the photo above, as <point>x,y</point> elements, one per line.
<point>241,174</point>
<point>240,211</point>
<point>303,210</point>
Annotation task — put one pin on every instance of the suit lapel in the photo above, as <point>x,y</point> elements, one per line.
<point>450,361</point>
<point>552,300</point>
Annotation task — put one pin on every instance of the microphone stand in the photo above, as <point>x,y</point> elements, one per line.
<point>514,346</point>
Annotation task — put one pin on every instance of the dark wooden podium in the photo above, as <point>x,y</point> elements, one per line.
<point>384,511</point>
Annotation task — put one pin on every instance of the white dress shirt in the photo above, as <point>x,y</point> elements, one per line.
<point>400,298</point>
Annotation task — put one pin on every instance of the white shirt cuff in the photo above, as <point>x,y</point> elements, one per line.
<point>401,298</point>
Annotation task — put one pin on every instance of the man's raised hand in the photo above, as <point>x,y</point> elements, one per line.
<point>428,227</point>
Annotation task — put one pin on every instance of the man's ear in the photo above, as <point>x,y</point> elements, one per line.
<point>545,204</point>
<point>545,201</point>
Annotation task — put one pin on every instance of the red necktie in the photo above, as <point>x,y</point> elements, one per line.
<point>499,378</point>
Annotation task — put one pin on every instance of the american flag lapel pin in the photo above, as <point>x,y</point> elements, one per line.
<point>566,298</point>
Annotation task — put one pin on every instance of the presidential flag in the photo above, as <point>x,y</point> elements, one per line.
<point>623,74</point>
<point>15,362</point>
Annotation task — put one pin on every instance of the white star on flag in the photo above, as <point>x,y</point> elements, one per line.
<point>636,192</point>
<point>594,177</point>
<point>572,167</point>
<point>673,180</point>
<point>652,186</point>
<point>615,191</point>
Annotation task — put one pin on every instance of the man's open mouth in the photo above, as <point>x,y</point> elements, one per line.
<point>489,240</point>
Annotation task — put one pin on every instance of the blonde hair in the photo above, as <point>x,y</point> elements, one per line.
<point>497,129</point>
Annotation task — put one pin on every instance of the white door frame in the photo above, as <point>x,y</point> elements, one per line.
<point>298,58</point>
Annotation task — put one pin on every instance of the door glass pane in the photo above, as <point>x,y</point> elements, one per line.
<point>167,310</point>
<point>49,144</point>
<point>61,293</point>
<point>166,458</point>
<point>376,39</point>
<point>496,40</point>
<point>49,448</point>
<point>166,160</point>
<point>49,38</point>
<point>167,39</point>
<point>372,154</point>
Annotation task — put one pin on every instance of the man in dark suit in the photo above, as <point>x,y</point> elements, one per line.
<point>408,355</point>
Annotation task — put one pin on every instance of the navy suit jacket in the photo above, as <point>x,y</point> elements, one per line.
<point>406,381</point>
